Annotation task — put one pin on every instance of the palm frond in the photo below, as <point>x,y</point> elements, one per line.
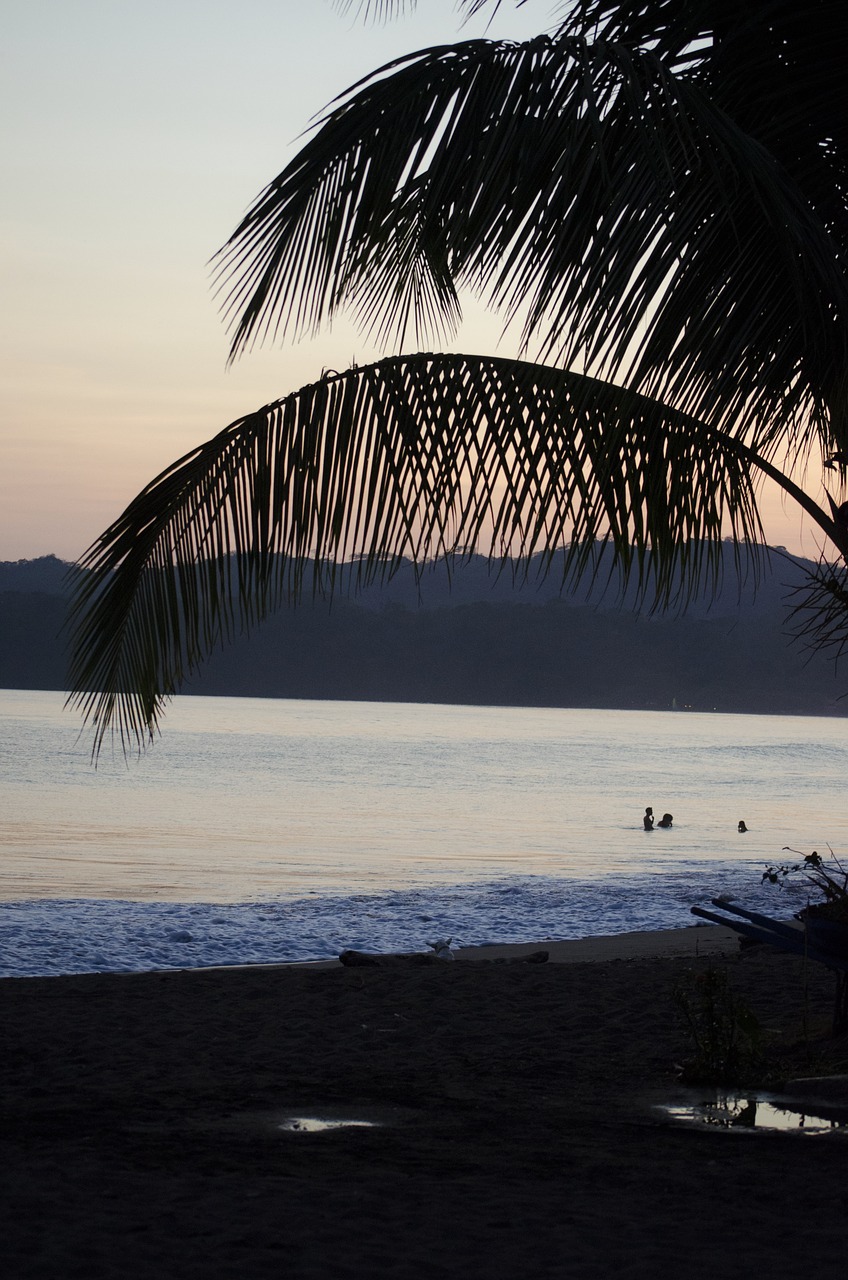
<point>818,618</point>
<point>583,186</point>
<point>776,68</point>
<point>375,10</point>
<point>383,10</point>
<point>413,458</point>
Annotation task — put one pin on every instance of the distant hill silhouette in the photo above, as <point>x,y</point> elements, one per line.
<point>47,573</point>
<point>473,636</point>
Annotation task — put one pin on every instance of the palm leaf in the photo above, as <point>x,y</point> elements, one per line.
<point>416,457</point>
<point>583,187</point>
<point>819,613</point>
<point>776,68</point>
<point>382,10</point>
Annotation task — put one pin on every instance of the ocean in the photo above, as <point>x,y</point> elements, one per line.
<point>266,830</point>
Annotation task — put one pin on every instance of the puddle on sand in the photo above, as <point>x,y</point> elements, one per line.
<point>321,1124</point>
<point>757,1113</point>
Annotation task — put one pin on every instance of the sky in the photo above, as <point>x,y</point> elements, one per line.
<point>133,138</point>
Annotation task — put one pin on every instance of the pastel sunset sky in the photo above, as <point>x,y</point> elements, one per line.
<point>133,139</point>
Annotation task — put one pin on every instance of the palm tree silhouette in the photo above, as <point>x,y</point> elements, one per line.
<point>654,193</point>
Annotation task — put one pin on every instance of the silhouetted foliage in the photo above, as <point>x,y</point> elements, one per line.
<point>654,192</point>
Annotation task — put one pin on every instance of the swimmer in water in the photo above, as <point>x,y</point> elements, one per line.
<point>648,820</point>
<point>742,828</point>
<point>665,821</point>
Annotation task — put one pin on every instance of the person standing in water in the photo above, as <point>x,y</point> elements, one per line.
<point>648,820</point>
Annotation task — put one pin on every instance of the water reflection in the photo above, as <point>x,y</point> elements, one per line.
<point>753,1112</point>
<point>320,1124</point>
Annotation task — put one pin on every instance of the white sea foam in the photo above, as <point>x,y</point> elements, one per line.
<point>50,936</point>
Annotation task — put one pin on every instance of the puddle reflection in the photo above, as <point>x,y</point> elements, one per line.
<point>320,1124</point>
<point>747,1111</point>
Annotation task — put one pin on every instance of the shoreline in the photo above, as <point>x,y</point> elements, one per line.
<point>689,940</point>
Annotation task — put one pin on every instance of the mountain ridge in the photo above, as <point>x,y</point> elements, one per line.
<point>477,638</point>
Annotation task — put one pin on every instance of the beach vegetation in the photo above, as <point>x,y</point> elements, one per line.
<point>825,920</point>
<point>651,196</point>
<point>725,1035</point>
<point>827,876</point>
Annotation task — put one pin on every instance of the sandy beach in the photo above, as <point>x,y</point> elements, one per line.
<point>513,1107</point>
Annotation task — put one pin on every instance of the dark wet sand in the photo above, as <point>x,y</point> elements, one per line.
<point>141,1114</point>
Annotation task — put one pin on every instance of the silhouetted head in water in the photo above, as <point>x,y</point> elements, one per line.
<point>742,827</point>
<point>665,821</point>
<point>648,820</point>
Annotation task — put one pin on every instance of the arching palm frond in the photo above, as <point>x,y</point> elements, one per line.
<point>583,186</point>
<point>411,457</point>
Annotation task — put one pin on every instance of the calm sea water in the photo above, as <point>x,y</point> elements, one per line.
<point>261,830</point>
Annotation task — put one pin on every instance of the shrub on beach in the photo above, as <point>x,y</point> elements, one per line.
<point>725,1034</point>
